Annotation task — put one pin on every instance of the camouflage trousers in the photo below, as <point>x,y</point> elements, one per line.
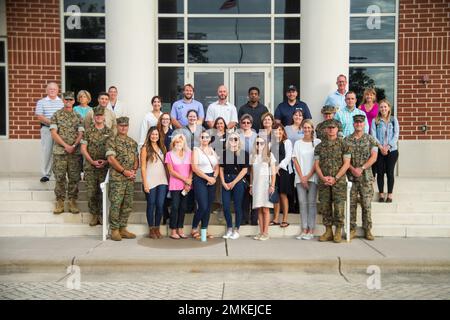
<point>362,192</point>
<point>121,195</point>
<point>66,166</point>
<point>93,179</point>
<point>332,203</point>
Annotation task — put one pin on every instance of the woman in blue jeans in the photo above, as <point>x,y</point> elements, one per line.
<point>234,164</point>
<point>154,179</point>
<point>205,165</point>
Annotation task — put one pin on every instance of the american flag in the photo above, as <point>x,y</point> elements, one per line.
<point>228,4</point>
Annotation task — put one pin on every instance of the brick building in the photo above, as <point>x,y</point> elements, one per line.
<point>153,47</point>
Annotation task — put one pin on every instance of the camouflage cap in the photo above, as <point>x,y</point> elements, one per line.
<point>328,109</point>
<point>359,118</point>
<point>99,111</point>
<point>123,121</point>
<point>68,95</point>
<point>331,123</point>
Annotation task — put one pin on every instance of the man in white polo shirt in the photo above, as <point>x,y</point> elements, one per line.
<point>222,108</point>
<point>45,109</point>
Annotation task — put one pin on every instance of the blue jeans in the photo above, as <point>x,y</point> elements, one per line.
<point>155,200</point>
<point>204,195</point>
<point>237,194</point>
<point>178,210</point>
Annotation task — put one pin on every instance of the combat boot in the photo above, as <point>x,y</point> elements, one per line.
<point>352,233</point>
<point>328,235</point>
<point>125,234</point>
<point>115,235</point>
<point>59,207</point>
<point>338,235</point>
<point>369,235</point>
<point>73,206</point>
<point>94,220</point>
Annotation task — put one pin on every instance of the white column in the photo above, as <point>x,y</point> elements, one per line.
<point>131,44</point>
<point>325,34</point>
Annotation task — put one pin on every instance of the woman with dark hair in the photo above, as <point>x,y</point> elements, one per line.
<point>267,122</point>
<point>282,149</point>
<point>154,179</point>
<point>294,131</point>
<point>150,119</point>
<point>205,165</point>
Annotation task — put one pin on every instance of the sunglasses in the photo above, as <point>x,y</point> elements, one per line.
<point>260,143</point>
<point>205,137</point>
<point>70,99</point>
<point>234,139</point>
<point>246,122</point>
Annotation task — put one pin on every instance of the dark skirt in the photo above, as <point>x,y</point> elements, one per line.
<point>285,182</point>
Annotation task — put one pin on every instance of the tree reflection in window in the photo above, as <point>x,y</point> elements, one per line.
<point>360,80</point>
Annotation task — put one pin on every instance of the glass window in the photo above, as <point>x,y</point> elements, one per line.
<point>90,6</point>
<point>170,83</point>
<point>229,29</point>
<point>285,76</point>
<point>170,6</point>
<point>171,53</point>
<point>287,28</point>
<point>287,6</point>
<point>229,6</point>
<point>91,28</point>
<point>3,124</point>
<point>364,6</point>
<point>91,79</point>
<point>229,53</point>
<point>85,52</point>
<point>171,28</point>
<point>287,53</point>
<point>2,51</point>
<point>372,53</point>
<point>381,78</point>
<point>364,29</point>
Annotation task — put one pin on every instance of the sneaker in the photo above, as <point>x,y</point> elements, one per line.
<point>264,237</point>
<point>228,234</point>
<point>44,179</point>
<point>257,236</point>
<point>235,235</point>
<point>301,236</point>
<point>308,236</point>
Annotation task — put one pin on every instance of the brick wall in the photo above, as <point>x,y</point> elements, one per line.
<point>424,49</point>
<point>34,56</point>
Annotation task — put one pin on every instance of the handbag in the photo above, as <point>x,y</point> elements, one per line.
<point>274,197</point>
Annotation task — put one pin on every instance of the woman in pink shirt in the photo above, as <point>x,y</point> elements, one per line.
<point>369,105</point>
<point>178,162</point>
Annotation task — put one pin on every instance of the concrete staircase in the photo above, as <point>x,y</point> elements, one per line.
<point>421,208</point>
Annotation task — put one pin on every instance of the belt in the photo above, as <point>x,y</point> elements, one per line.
<point>44,125</point>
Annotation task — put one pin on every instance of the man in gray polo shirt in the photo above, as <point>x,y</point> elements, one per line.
<point>45,109</point>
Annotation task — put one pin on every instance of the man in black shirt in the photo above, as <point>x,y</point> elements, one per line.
<point>254,108</point>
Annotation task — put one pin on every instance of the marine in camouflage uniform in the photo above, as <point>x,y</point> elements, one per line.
<point>122,155</point>
<point>67,130</point>
<point>364,154</point>
<point>332,157</point>
<point>93,147</point>
<point>328,113</point>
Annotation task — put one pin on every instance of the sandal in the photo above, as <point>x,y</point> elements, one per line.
<point>273,223</point>
<point>182,236</point>
<point>284,224</point>
<point>195,235</point>
<point>176,237</point>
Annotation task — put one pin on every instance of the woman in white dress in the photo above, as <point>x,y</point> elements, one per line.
<point>150,119</point>
<point>263,184</point>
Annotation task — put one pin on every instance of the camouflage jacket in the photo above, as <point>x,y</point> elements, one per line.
<point>67,124</point>
<point>361,151</point>
<point>331,154</point>
<point>95,140</point>
<point>125,150</point>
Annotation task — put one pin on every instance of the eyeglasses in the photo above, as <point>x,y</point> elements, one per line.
<point>234,139</point>
<point>205,137</point>
<point>260,143</point>
<point>246,122</point>
<point>69,99</point>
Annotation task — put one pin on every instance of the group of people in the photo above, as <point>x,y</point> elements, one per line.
<point>253,158</point>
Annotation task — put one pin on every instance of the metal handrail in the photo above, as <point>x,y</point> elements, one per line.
<point>105,207</point>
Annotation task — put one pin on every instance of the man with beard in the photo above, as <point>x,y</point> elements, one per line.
<point>181,107</point>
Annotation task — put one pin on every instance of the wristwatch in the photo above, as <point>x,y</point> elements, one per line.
<point>363,168</point>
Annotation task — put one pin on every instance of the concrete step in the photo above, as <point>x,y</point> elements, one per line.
<point>74,229</point>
